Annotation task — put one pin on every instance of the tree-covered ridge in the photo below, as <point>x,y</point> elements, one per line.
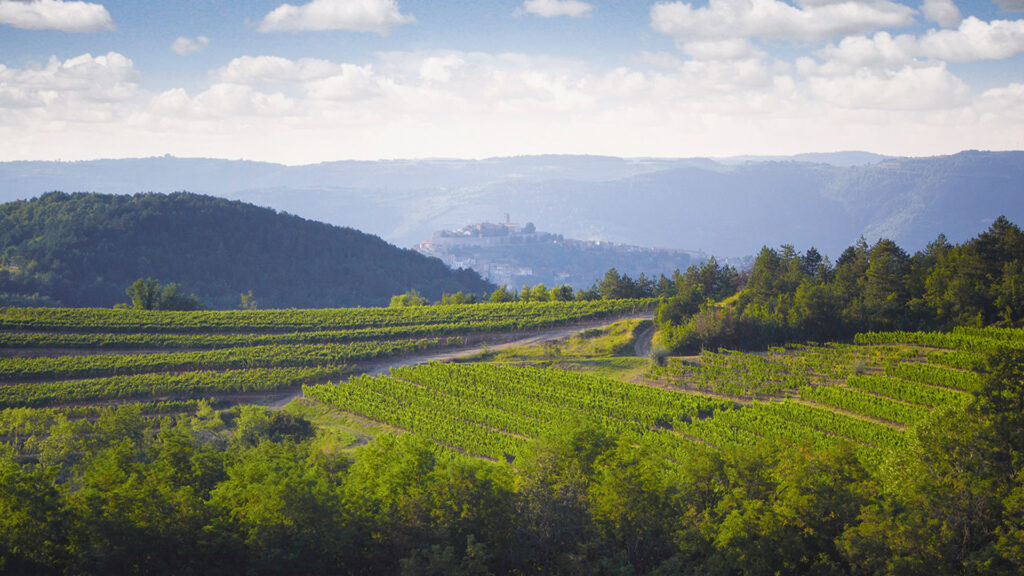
<point>790,296</point>
<point>86,249</point>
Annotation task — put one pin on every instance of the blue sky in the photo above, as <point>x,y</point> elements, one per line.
<point>366,79</point>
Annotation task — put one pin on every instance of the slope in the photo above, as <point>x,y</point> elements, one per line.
<point>85,249</point>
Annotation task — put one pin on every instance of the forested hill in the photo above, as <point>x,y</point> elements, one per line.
<point>86,249</point>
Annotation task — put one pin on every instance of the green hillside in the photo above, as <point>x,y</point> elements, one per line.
<point>86,249</point>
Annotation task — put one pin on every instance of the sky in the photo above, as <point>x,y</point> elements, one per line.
<point>326,80</point>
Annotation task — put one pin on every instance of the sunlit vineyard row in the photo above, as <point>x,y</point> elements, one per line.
<point>489,410</point>
<point>506,315</point>
<point>49,368</point>
<point>69,357</point>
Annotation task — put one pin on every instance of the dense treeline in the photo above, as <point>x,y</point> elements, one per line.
<point>247,491</point>
<point>85,249</point>
<point>789,296</point>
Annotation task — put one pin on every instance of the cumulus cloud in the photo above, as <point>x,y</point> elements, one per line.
<point>972,41</point>
<point>185,46</point>
<point>440,68</point>
<point>774,19</point>
<point>728,97</point>
<point>975,40</point>
<point>55,15</point>
<point>942,12</point>
<point>909,88</point>
<point>83,89</point>
<point>553,8</point>
<point>379,16</point>
<point>257,70</point>
<point>1005,104</point>
<point>314,78</point>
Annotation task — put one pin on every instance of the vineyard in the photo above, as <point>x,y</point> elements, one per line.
<point>67,357</point>
<point>867,394</point>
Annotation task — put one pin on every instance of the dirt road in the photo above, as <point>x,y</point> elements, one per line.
<point>492,342</point>
<point>642,346</point>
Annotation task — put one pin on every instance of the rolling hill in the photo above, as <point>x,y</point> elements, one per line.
<point>86,249</point>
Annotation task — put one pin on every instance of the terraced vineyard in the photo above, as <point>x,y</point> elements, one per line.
<point>491,410</point>
<point>870,392</point>
<point>867,394</point>
<point>80,356</point>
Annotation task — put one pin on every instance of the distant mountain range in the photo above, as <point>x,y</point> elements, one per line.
<point>86,249</point>
<point>726,208</point>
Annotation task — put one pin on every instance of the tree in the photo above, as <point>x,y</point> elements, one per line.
<point>410,298</point>
<point>540,293</point>
<point>611,286</point>
<point>502,295</point>
<point>148,294</point>
<point>144,294</point>
<point>458,298</point>
<point>171,298</point>
<point>248,302</point>
<point>525,294</point>
<point>561,293</point>
<point>885,294</point>
<point>812,262</point>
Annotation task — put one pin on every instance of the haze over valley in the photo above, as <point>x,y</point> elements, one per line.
<point>721,208</point>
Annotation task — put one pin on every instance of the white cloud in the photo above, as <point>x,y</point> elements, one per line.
<point>729,98</point>
<point>185,46</point>
<point>84,89</point>
<point>553,8</point>
<point>734,49</point>
<point>379,16</point>
<point>881,51</point>
<point>55,15</point>
<point>972,41</point>
<point>773,19</point>
<point>942,12</point>
<point>350,82</point>
<point>975,40</point>
<point>909,88</point>
<point>1005,104</point>
<point>660,59</point>
<point>440,68</point>
<point>257,70</point>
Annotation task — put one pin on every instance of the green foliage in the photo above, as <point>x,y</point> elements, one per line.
<point>84,249</point>
<point>230,358</point>
<point>502,294</point>
<point>775,488</point>
<point>410,298</point>
<point>249,351</point>
<point>148,294</point>
<point>788,296</point>
<point>248,301</point>
<point>457,298</point>
<point>499,406</point>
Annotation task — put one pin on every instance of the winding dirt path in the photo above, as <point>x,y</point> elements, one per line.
<point>642,345</point>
